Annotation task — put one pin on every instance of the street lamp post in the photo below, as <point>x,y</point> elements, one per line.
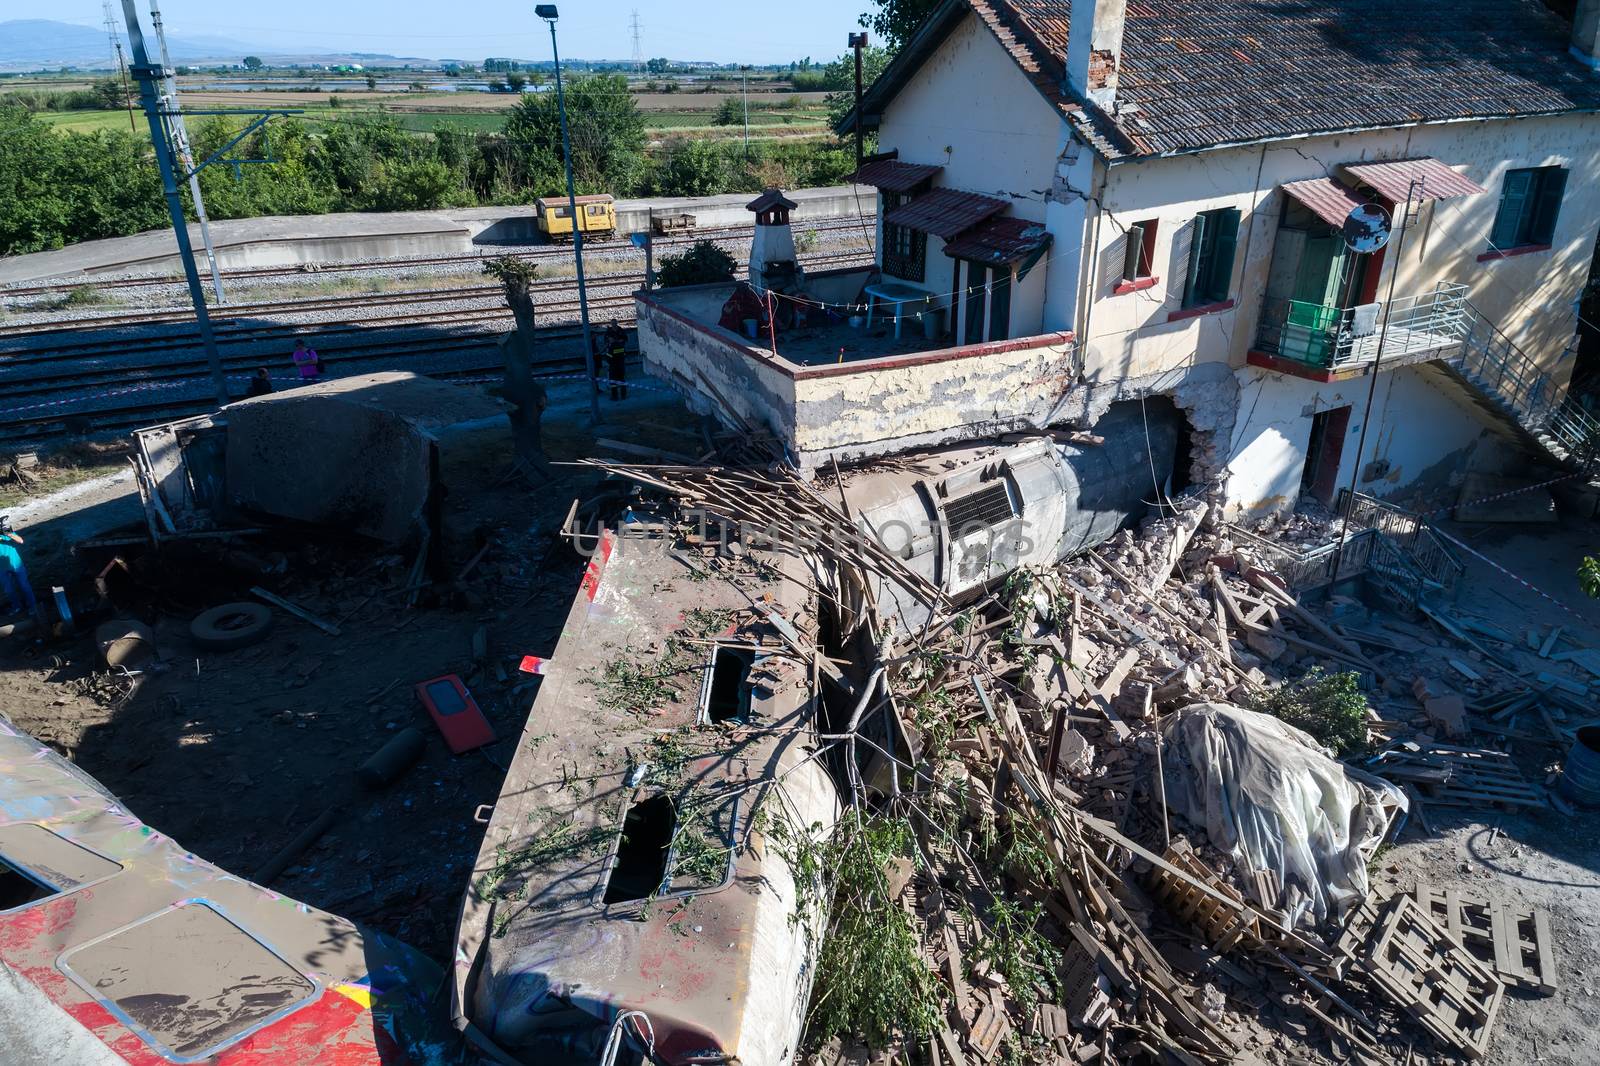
<point>549,14</point>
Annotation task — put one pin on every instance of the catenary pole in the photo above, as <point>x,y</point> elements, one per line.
<point>148,76</point>
<point>548,13</point>
<point>185,156</point>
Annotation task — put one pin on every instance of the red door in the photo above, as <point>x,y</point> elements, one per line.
<point>1328,431</point>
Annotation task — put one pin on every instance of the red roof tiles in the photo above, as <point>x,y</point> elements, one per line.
<point>944,212</point>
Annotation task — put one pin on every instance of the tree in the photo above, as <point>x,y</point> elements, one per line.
<point>252,63</point>
<point>840,75</point>
<point>521,387</point>
<point>607,135</point>
<point>109,94</point>
<point>731,113</point>
<point>695,167</point>
<point>896,20</point>
<point>658,66</point>
<point>372,81</point>
<point>703,263</point>
<point>515,81</point>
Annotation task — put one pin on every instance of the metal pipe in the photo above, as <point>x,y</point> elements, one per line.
<point>858,41</point>
<point>577,234</point>
<point>146,75</point>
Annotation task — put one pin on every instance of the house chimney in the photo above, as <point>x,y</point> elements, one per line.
<point>1586,33</point>
<point>1094,48</point>
<point>773,263</point>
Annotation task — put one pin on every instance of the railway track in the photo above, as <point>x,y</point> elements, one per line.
<point>82,387</point>
<point>557,252</point>
<point>227,321</point>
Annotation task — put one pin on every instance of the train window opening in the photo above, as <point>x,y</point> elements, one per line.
<point>728,691</point>
<point>17,889</point>
<point>641,865</point>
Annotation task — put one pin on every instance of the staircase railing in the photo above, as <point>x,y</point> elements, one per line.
<point>1496,362</point>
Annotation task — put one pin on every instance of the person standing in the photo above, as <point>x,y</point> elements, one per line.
<point>260,383</point>
<point>307,362</point>
<point>13,574</point>
<point>616,342</point>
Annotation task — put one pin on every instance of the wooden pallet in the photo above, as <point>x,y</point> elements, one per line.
<point>1514,940</point>
<point>1221,926</point>
<point>1438,982</point>
<point>1452,776</point>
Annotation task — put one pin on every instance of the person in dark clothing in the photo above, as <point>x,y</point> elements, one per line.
<point>260,383</point>
<point>616,346</point>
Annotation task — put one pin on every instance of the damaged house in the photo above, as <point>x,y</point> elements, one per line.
<point>1092,202</point>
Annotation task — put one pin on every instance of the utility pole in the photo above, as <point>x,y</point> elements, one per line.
<point>549,13</point>
<point>1412,192</point>
<point>147,75</point>
<point>122,64</point>
<point>858,41</point>
<point>744,92</point>
<point>180,143</point>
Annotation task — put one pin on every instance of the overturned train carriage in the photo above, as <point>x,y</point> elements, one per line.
<point>965,517</point>
<point>629,864</point>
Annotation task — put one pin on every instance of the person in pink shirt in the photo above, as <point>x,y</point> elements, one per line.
<point>307,362</point>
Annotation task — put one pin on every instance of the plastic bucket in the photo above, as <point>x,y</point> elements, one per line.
<point>1580,780</point>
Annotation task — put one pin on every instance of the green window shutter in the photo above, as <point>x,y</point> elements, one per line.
<point>1133,252</point>
<point>1508,229</point>
<point>1000,304</point>
<point>1546,205</point>
<point>1197,260</point>
<point>1220,270</point>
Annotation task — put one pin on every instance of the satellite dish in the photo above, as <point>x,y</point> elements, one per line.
<point>1366,228</point>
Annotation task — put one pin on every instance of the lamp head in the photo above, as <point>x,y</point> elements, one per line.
<point>547,12</point>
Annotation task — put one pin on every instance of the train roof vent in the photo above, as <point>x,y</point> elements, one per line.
<point>988,505</point>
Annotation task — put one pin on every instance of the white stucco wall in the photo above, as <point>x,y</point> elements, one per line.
<point>1423,425</point>
<point>970,110</point>
<point>1530,297</point>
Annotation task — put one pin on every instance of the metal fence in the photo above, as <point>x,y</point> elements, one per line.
<point>1331,337</point>
<point>1410,534</point>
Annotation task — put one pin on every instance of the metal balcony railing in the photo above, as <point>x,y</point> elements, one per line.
<point>1425,554</point>
<point>1333,338</point>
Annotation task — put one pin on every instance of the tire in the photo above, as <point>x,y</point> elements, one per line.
<point>231,625</point>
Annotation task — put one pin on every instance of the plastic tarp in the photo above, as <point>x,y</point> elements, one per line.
<point>1267,794</point>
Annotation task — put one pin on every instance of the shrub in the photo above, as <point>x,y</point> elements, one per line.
<point>731,113</point>
<point>703,263</point>
<point>1330,707</point>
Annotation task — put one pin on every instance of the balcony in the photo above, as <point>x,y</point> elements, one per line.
<point>827,389</point>
<point>1325,343</point>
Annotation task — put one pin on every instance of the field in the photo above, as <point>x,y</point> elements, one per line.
<point>764,115</point>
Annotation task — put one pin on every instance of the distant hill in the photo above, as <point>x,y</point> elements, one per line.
<point>33,44</point>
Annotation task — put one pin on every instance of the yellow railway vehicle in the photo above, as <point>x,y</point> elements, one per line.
<point>597,216</point>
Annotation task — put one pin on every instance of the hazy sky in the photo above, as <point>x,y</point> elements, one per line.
<point>758,31</point>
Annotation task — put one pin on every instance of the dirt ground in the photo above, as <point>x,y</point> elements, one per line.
<point>232,753</point>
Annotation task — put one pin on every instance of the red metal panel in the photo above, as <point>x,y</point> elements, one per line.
<point>945,212</point>
<point>892,175</point>
<point>998,240</point>
<point>1393,179</point>
<point>1329,200</point>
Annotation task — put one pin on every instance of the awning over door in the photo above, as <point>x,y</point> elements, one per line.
<point>891,175</point>
<point>1393,180</point>
<point>1329,200</point>
<point>1000,241</point>
<point>945,212</point>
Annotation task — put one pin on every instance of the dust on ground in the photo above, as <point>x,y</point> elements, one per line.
<point>233,753</point>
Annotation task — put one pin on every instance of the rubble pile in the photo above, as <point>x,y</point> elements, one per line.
<point>1069,909</point>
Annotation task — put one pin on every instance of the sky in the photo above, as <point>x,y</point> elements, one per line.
<point>747,31</point>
